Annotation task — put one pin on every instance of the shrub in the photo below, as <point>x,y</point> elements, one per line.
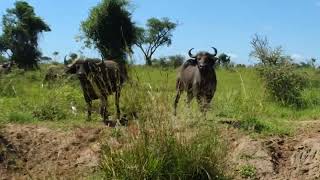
<point>284,84</point>
<point>252,124</point>
<point>49,111</point>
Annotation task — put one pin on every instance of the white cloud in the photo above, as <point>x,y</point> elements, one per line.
<point>232,55</point>
<point>297,57</point>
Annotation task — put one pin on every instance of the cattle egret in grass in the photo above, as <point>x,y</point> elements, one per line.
<point>73,108</point>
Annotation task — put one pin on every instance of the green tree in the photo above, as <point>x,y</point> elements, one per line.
<point>312,62</point>
<point>45,59</point>
<point>224,60</point>
<point>55,55</point>
<point>266,54</point>
<point>21,29</point>
<point>73,56</point>
<point>109,28</point>
<point>176,60</point>
<point>158,33</point>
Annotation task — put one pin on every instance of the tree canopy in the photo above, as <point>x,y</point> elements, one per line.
<point>265,53</point>
<point>109,28</point>
<point>224,59</point>
<point>21,29</point>
<point>158,33</point>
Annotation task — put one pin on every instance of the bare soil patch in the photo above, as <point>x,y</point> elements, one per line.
<point>36,152</point>
<point>296,157</point>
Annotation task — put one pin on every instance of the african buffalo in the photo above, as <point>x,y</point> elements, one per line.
<point>54,73</point>
<point>197,77</point>
<point>98,80</point>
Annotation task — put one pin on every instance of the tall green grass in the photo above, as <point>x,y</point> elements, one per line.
<point>240,95</point>
<point>158,145</point>
<point>163,146</point>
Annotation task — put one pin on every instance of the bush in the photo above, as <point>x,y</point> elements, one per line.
<point>49,112</point>
<point>284,84</point>
<point>252,124</point>
<point>173,61</point>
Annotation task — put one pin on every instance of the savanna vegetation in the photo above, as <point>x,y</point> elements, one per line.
<point>270,98</point>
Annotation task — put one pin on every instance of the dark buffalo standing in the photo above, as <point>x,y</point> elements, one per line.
<point>98,80</point>
<point>197,77</point>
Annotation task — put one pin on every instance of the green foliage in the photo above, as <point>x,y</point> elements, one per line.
<point>3,59</point>
<point>176,60</point>
<point>49,111</point>
<point>109,28</point>
<point>309,64</point>
<point>156,152</point>
<point>253,124</point>
<point>267,55</point>
<point>282,81</point>
<point>45,59</point>
<point>21,29</point>
<point>170,61</point>
<point>20,117</point>
<point>248,171</point>
<point>73,56</point>
<point>157,34</point>
<point>224,60</point>
<point>240,94</point>
<point>284,84</point>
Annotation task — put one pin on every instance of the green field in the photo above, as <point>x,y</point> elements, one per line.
<point>189,142</point>
<point>240,96</point>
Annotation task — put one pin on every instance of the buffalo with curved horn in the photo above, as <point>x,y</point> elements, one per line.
<point>197,77</point>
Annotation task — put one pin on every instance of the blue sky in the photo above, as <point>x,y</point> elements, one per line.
<point>228,25</point>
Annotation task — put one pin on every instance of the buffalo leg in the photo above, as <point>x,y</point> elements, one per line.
<point>103,109</point>
<point>189,98</point>
<point>176,101</point>
<point>207,102</point>
<point>89,109</point>
<point>117,99</point>
<point>201,103</point>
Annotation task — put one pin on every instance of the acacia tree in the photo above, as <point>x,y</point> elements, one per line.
<point>21,29</point>
<point>55,55</point>
<point>109,28</point>
<point>266,54</point>
<point>158,33</point>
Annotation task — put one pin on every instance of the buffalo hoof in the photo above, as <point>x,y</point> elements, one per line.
<point>110,123</point>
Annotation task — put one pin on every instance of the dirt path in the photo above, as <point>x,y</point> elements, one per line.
<point>296,157</point>
<point>30,151</point>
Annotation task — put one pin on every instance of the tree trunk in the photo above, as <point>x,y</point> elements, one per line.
<point>148,61</point>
